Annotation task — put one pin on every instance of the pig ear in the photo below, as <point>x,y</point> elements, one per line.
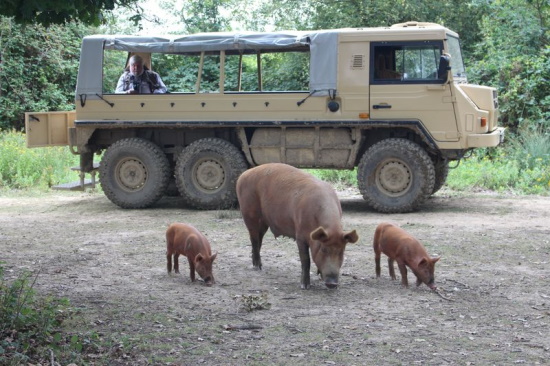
<point>319,234</point>
<point>422,262</point>
<point>213,256</point>
<point>351,237</point>
<point>199,258</point>
<point>435,259</point>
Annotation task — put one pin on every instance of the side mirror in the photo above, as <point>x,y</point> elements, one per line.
<point>444,67</point>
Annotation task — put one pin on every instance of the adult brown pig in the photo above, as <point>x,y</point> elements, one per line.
<point>295,204</point>
<point>401,247</point>
<point>184,239</point>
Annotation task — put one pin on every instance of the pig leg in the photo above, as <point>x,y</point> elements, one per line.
<point>191,269</point>
<point>306,264</point>
<point>176,263</point>
<point>391,268</point>
<point>403,270</point>
<point>377,261</point>
<point>256,237</point>
<point>377,251</point>
<point>418,281</point>
<point>169,261</point>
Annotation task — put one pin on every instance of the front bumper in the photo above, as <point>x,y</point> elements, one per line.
<point>490,139</point>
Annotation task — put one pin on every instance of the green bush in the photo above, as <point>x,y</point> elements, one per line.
<point>483,173</point>
<point>40,67</point>
<point>22,168</point>
<point>31,327</point>
<point>521,166</point>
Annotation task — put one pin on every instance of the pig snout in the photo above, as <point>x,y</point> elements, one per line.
<point>331,281</point>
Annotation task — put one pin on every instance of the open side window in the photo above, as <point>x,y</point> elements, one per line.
<point>217,71</point>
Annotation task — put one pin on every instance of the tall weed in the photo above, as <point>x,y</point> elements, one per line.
<point>521,166</point>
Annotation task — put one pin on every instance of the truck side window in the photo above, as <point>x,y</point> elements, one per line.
<point>267,72</point>
<point>394,62</point>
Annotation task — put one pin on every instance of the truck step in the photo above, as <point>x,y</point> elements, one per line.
<point>83,183</point>
<point>75,186</point>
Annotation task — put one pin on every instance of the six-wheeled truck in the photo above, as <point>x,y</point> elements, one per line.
<point>391,102</point>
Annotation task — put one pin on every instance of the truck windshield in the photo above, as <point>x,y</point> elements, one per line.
<point>457,64</point>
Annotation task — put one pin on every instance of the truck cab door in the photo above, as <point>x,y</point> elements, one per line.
<point>406,86</point>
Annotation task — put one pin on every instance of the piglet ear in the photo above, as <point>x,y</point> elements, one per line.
<point>435,259</point>
<point>199,258</point>
<point>351,237</point>
<point>213,256</point>
<point>422,262</point>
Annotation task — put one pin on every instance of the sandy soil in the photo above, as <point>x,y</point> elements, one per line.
<point>111,263</point>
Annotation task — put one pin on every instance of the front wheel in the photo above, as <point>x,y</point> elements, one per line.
<point>134,173</point>
<point>441,173</point>
<point>207,172</point>
<point>395,175</point>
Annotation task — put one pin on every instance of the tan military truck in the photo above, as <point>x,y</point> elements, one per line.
<point>392,102</point>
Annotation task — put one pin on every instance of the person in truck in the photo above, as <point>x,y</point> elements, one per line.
<point>137,79</point>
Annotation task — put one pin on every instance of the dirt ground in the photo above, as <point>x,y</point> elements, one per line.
<point>111,263</point>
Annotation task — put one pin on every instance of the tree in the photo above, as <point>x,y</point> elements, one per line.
<point>48,12</point>
<point>38,68</point>
<point>514,57</point>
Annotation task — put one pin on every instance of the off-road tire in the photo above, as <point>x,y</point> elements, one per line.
<point>441,173</point>
<point>134,173</point>
<point>395,175</point>
<point>207,172</point>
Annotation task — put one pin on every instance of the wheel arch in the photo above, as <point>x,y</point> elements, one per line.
<point>410,130</point>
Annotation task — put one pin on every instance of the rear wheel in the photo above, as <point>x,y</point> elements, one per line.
<point>395,175</point>
<point>207,172</point>
<point>134,173</point>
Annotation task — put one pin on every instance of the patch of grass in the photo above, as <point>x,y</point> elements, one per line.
<point>522,168</point>
<point>340,178</point>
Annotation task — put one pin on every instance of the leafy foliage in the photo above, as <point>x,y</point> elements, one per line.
<point>205,16</point>
<point>26,321</point>
<point>514,57</point>
<point>47,12</point>
<point>38,69</point>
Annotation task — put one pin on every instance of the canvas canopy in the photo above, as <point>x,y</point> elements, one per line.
<point>321,44</point>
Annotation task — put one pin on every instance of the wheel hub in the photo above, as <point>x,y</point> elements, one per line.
<point>394,177</point>
<point>131,174</point>
<point>209,175</point>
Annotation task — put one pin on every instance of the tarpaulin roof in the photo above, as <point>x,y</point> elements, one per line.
<point>321,44</point>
